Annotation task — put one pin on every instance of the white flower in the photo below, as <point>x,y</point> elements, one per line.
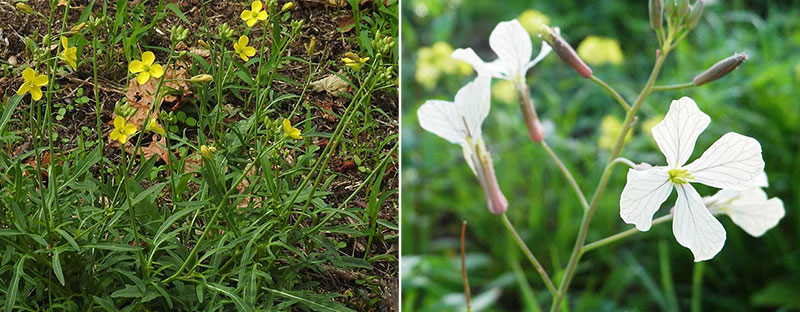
<point>460,122</point>
<point>750,209</point>
<point>732,162</point>
<point>512,44</point>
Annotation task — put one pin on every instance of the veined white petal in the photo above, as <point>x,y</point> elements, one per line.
<point>512,44</point>
<point>643,194</point>
<point>468,55</point>
<point>455,121</point>
<point>732,162</point>
<point>544,51</point>
<point>754,213</point>
<point>678,132</point>
<point>761,180</point>
<point>443,119</point>
<point>694,226</point>
<point>722,198</point>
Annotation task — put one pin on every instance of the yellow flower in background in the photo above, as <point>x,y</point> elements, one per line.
<point>597,50</point>
<point>505,91</point>
<point>146,68</point>
<point>33,84</point>
<point>242,49</point>
<point>291,131</point>
<point>532,21</point>
<point>255,14</point>
<point>122,130</point>
<point>610,128</point>
<point>651,122</point>
<point>354,61</point>
<point>69,55</point>
<point>153,126</point>
<point>435,61</point>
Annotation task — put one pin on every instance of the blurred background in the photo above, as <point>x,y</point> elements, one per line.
<point>649,271</point>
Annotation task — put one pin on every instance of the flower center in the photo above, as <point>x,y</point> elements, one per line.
<point>680,176</point>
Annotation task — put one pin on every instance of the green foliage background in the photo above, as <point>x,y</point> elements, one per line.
<point>649,271</point>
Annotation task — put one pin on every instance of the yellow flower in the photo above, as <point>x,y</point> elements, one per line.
<point>255,14</point>
<point>146,68</point>
<point>288,6</point>
<point>505,91</point>
<point>533,20</point>
<point>353,61</point>
<point>207,151</point>
<point>69,55</point>
<point>122,130</point>
<point>600,50</point>
<point>33,84</point>
<point>290,131</point>
<point>242,49</point>
<point>153,126</point>
<point>610,128</point>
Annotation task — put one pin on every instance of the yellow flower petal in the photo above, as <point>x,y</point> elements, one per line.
<point>64,42</point>
<point>129,129</point>
<point>256,6</point>
<point>36,93</point>
<point>24,88</point>
<point>262,15</point>
<point>250,51</point>
<point>135,66</point>
<point>243,41</point>
<point>143,77</point>
<point>156,70</point>
<point>244,57</point>
<point>148,58</point>
<point>246,15</point>
<point>251,22</point>
<point>40,81</point>
<point>115,135</point>
<point>119,123</point>
<point>28,74</point>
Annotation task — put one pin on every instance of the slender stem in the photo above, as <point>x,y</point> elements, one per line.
<point>601,187</point>
<point>623,160</point>
<point>674,87</point>
<point>697,286</point>
<point>613,93</point>
<point>613,238</point>
<point>567,174</point>
<point>529,254</point>
<point>464,265</point>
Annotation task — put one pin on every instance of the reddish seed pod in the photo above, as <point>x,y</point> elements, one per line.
<point>720,69</point>
<point>565,51</point>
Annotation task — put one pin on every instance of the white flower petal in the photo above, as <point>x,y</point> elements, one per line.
<point>761,180</point>
<point>545,50</point>
<point>643,194</point>
<point>678,132</point>
<point>754,213</point>
<point>493,69</point>
<point>694,226</point>
<point>732,162</point>
<point>455,121</point>
<point>512,44</point>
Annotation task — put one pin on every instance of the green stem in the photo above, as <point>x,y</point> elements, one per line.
<point>613,93</point>
<point>529,254</point>
<point>673,87</point>
<point>601,187</point>
<point>464,276</point>
<point>613,238</point>
<point>697,286</point>
<point>567,174</point>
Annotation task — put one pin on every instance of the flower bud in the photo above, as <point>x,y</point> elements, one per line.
<point>720,69</point>
<point>286,7</point>
<point>497,202</point>
<point>669,7</point>
<point>535,128</point>
<point>564,50</point>
<point>78,27</point>
<point>656,12</point>
<point>683,7</point>
<point>202,78</point>
<point>25,8</point>
<point>203,43</point>
<point>208,151</point>
<point>695,14</point>
<point>311,45</point>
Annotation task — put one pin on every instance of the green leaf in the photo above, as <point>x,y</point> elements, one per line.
<point>11,294</point>
<point>130,291</point>
<point>315,302</point>
<point>781,293</point>
<point>178,13</point>
<point>112,247</point>
<point>227,291</point>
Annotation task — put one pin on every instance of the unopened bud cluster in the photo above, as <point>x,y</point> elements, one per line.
<point>685,14</point>
<point>178,34</point>
<point>381,44</point>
